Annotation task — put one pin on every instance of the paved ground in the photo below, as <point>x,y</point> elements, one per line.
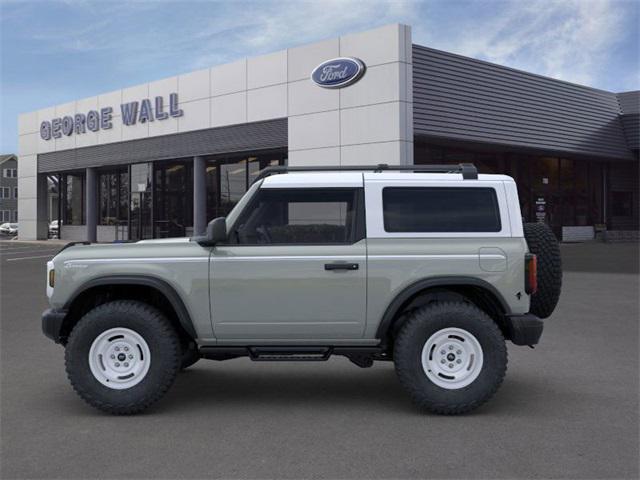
<point>567,409</point>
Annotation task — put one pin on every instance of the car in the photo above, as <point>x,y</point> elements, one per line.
<point>9,229</point>
<point>427,266</point>
<point>53,229</point>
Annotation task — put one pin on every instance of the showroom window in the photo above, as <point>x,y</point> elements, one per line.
<point>228,178</point>
<point>622,204</point>
<point>113,194</point>
<point>440,209</point>
<point>73,192</point>
<point>173,199</point>
<point>296,216</point>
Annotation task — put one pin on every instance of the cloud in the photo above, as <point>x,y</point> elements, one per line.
<point>570,40</point>
<point>269,26</point>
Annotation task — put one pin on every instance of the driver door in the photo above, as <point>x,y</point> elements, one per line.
<point>294,268</point>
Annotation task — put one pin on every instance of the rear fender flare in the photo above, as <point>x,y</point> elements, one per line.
<point>408,292</point>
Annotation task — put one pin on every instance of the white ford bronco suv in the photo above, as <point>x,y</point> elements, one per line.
<point>427,266</point>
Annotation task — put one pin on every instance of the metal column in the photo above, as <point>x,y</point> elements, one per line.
<point>199,195</point>
<point>91,199</point>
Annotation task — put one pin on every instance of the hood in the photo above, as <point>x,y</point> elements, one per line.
<point>165,240</point>
<point>168,247</point>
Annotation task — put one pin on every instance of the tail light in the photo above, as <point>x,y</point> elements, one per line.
<point>530,273</point>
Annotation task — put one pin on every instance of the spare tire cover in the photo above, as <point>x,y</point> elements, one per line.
<point>542,242</point>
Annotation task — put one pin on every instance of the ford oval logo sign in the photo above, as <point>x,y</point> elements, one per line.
<point>338,73</point>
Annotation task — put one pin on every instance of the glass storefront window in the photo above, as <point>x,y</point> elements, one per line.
<point>113,195</point>
<point>141,177</point>
<point>596,193</point>
<point>173,199</point>
<point>53,197</point>
<point>621,204</point>
<point>73,201</point>
<point>140,214</point>
<point>233,183</point>
<point>229,178</point>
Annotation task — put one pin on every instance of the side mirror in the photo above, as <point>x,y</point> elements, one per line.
<point>216,233</point>
<point>217,230</point>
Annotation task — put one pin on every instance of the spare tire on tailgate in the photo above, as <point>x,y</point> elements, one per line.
<point>542,242</point>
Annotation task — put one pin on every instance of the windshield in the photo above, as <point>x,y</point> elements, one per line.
<point>233,214</point>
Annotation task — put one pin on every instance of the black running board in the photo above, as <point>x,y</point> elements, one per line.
<point>283,354</point>
<point>361,356</point>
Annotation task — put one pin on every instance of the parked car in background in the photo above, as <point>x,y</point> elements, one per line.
<point>9,229</point>
<point>54,229</point>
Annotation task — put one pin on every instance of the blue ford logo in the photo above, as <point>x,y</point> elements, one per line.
<point>338,73</point>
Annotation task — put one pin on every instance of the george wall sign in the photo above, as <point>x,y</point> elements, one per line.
<point>94,120</point>
<point>339,72</point>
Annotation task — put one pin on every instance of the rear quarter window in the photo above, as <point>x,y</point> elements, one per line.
<point>440,209</point>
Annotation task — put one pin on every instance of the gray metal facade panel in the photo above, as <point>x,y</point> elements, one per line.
<point>629,101</point>
<point>236,138</point>
<point>631,127</point>
<point>461,98</point>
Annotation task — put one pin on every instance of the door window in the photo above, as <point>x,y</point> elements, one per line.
<point>296,216</point>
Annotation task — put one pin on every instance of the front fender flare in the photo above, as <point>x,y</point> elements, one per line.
<point>162,286</point>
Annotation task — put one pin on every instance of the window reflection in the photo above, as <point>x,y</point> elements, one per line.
<point>173,195</point>
<point>73,201</point>
<point>229,178</point>
<point>113,194</point>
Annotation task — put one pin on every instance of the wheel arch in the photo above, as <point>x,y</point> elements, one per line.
<point>114,287</point>
<point>477,291</point>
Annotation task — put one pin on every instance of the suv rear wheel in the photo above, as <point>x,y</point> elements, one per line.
<point>450,356</point>
<point>122,356</point>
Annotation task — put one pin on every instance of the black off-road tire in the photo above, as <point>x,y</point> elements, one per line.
<point>542,242</point>
<point>158,333</point>
<point>416,331</point>
<point>190,356</point>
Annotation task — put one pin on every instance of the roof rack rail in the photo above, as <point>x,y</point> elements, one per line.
<point>468,170</point>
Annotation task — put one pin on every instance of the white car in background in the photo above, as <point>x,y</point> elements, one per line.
<point>9,229</point>
<point>54,229</point>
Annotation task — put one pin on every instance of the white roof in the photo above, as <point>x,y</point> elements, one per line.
<point>314,179</point>
<point>356,179</point>
<point>441,177</point>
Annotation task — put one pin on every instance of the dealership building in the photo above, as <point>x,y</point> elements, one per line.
<point>163,158</point>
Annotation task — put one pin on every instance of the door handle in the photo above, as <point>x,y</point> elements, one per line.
<point>341,266</point>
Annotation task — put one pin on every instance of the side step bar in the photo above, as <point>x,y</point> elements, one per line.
<point>361,356</point>
<point>280,354</point>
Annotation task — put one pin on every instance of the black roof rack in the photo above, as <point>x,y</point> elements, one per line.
<point>468,170</point>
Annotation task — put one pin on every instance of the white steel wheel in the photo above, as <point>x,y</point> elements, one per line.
<point>452,358</point>
<point>119,358</point>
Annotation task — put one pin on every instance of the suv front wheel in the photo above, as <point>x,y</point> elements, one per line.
<point>122,356</point>
<point>450,356</point>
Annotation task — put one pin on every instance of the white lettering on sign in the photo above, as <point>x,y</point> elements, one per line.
<point>331,72</point>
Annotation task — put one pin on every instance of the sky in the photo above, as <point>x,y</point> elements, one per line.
<point>55,51</point>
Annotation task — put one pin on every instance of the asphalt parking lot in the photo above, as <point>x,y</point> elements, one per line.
<point>568,409</point>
